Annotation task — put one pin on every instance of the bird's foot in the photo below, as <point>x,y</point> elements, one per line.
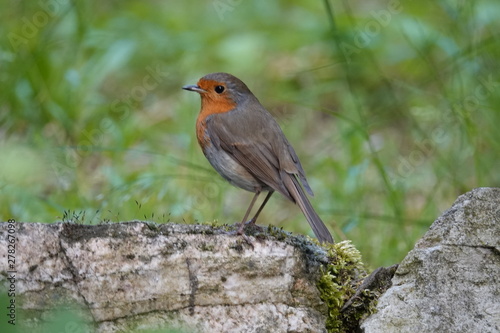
<point>250,223</point>
<point>241,233</point>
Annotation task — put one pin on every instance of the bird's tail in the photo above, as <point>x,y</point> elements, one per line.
<point>292,184</point>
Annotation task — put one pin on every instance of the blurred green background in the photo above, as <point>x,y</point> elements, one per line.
<point>393,108</point>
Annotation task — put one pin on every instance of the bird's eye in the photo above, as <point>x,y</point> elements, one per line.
<point>219,89</point>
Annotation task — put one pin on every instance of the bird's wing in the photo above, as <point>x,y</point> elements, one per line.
<point>255,140</point>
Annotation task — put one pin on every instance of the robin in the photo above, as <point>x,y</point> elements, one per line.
<point>247,147</point>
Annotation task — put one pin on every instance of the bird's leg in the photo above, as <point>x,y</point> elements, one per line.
<point>242,224</point>
<point>254,219</point>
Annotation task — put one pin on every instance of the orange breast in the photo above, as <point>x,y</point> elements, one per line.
<point>210,106</point>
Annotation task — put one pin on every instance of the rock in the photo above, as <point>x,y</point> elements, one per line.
<point>136,276</point>
<point>450,281</point>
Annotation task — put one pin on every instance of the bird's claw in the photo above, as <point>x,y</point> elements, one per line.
<point>241,233</point>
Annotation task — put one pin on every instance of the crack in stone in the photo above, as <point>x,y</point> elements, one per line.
<point>193,283</point>
<point>493,248</point>
<point>74,273</point>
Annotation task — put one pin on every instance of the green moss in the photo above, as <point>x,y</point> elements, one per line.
<point>207,247</point>
<point>214,223</point>
<point>338,283</point>
<point>277,233</point>
<point>152,226</point>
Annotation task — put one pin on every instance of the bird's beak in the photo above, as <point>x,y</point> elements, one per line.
<point>193,87</point>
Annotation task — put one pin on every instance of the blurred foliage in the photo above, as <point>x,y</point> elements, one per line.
<point>391,106</point>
